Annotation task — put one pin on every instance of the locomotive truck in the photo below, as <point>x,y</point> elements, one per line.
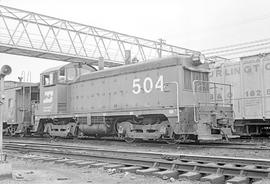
<point>167,99</point>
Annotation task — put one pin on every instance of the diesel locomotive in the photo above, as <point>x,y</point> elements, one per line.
<point>167,99</point>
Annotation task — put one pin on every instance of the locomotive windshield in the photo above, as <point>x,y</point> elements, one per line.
<point>64,74</point>
<point>74,71</point>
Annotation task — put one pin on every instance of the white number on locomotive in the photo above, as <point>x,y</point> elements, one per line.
<point>147,85</point>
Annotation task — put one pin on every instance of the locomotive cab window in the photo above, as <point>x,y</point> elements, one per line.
<point>49,79</point>
<point>62,75</point>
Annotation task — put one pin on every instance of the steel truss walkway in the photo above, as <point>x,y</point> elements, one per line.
<point>31,34</point>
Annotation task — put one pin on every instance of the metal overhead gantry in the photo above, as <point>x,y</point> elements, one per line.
<point>35,35</point>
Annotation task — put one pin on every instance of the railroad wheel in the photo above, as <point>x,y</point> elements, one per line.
<point>171,141</point>
<point>12,131</point>
<point>129,139</point>
<point>182,138</point>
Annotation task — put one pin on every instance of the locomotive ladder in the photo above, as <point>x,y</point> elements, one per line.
<point>35,35</point>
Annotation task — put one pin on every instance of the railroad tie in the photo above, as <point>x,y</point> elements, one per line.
<point>113,166</point>
<point>192,175</point>
<point>61,161</point>
<point>38,158</point>
<point>147,171</point>
<point>167,174</point>
<point>28,157</point>
<point>52,159</point>
<point>99,164</point>
<point>84,163</point>
<point>214,178</point>
<point>129,168</point>
<point>72,162</point>
<point>238,180</point>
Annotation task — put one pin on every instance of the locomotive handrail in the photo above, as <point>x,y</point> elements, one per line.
<point>215,100</point>
<point>177,97</point>
<point>194,95</point>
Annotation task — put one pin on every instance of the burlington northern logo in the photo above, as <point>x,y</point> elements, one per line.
<point>48,97</point>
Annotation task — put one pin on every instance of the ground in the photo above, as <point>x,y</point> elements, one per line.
<point>29,172</point>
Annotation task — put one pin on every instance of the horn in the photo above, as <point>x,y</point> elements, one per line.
<point>5,70</point>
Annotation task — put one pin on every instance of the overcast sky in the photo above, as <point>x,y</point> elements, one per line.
<point>194,24</point>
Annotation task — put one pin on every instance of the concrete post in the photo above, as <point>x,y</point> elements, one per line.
<point>5,167</point>
<point>1,115</point>
<point>127,57</point>
<point>100,63</point>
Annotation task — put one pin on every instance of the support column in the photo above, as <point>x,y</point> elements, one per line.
<point>100,63</point>
<point>1,116</point>
<point>127,57</point>
<point>5,167</point>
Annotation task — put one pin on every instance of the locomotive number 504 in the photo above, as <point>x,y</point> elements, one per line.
<point>147,85</point>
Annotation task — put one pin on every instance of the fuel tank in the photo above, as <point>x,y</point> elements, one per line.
<point>95,129</point>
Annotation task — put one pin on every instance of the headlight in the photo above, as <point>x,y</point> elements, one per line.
<point>120,130</point>
<point>163,130</point>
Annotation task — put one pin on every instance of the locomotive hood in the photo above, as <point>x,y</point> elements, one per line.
<point>185,61</point>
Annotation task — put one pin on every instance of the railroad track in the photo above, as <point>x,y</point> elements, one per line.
<point>193,167</point>
<point>217,145</point>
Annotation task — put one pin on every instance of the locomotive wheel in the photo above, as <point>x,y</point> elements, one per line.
<point>171,141</point>
<point>129,140</point>
<point>12,131</point>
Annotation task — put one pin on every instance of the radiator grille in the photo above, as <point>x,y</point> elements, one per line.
<point>62,107</point>
<point>97,119</point>
<point>82,120</point>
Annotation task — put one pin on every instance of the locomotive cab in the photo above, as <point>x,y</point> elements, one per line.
<point>53,94</point>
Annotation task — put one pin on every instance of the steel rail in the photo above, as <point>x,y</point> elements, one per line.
<point>227,145</point>
<point>141,154</point>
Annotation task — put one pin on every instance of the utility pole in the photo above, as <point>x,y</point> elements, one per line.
<point>161,42</point>
<point>5,70</point>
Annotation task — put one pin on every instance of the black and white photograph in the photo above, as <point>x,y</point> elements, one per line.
<point>135,92</point>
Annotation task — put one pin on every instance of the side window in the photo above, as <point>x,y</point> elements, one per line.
<point>46,80</point>
<point>71,74</point>
<point>62,72</point>
<point>49,79</point>
<point>62,75</point>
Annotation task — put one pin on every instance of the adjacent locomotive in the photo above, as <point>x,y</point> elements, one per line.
<point>21,99</point>
<point>167,98</point>
<point>251,91</point>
